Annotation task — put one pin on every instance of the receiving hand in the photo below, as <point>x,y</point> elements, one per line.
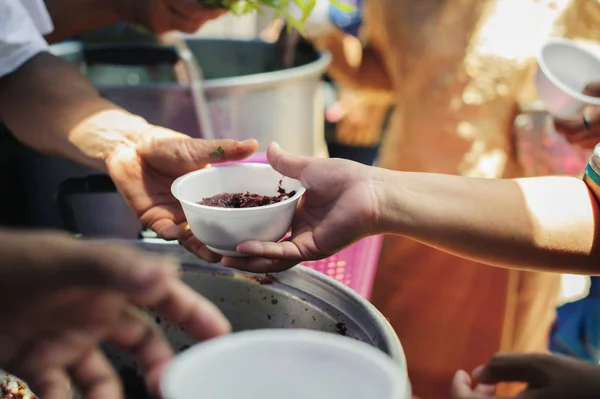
<point>575,130</point>
<point>162,16</point>
<point>62,297</point>
<point>547,376</point>
<point>143,175</point>
<point>338,208</point>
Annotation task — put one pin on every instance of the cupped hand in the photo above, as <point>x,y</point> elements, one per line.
<point>144,173</point>
<point>63,297</point>
<point>340,207</point>
<point>547,377</point>
<point>161,16</point>
<point>575,129</point>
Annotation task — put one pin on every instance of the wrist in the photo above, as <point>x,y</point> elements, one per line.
<point>392,207</point>
<point>99,137</point>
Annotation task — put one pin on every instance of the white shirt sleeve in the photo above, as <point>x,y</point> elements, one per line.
<point>21,30</point>
<point>39,15</point>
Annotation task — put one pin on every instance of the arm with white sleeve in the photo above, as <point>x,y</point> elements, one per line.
<point>48,104</point>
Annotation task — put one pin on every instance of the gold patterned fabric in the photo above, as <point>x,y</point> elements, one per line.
<point>457,71</point>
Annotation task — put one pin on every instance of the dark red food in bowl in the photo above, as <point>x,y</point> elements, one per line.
<point>246,200</point>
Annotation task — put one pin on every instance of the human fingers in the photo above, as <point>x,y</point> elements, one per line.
<point>587,142</point>
<point>94,376</point>
<point>285,163</point>
<point>462,388</point>
<point>51,384</point>
<point>271,257</point>
<point>136,333</point>
<point>174,156</point>
<point>59,262</point>
<point>258,265</point>
<point>195,246</point>
<point>580,127</point>
<point>183,306</point>
<point>518,367</point>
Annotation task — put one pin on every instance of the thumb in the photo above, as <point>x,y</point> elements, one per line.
<point>529,368</point>
<point>285,163</point>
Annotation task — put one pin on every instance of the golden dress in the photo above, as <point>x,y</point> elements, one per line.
<point>457,71</point>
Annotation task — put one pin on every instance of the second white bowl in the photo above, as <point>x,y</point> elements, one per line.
<point>565,67</point>
<point>222,229</point>
<point>284,363</point>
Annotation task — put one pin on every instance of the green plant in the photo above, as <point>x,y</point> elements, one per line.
<point>281,7</point>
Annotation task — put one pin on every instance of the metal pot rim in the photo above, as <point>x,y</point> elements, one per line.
<point>258,80</point>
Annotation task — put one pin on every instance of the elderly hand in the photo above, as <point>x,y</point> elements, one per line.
<point>575,130</point>
<point>339,207</point>
<point>547,376</point>
<point>144,173</point>
<point>162,16</point>
<point>63,297</point>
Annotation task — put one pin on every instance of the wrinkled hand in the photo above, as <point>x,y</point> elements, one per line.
<point>575,131</point>
<point>143,175</point>
<point>338,208</point>
<point>63,297</point>
<point>161,16</point>
<point>547,376</point>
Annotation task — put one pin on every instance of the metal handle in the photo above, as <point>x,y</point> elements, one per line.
<point>91,184</point>
<point>195,79</point>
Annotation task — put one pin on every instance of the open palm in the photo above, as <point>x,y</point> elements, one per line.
<point>338,208</point>
<point>144,174</point>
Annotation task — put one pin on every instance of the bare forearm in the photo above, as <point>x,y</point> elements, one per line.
<point>534,224</point>
<point>52,108</point>
<point>74,17</point>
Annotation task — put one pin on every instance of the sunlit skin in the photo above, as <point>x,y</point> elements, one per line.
<point>143,160</point>
<point>545,223</point>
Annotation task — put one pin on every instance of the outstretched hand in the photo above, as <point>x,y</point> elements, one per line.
<point>144,174</point>
<point>73,295</point>
<point>340,207</point>
<point>547,376</point>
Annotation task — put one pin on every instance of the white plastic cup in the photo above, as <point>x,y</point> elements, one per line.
<point>222,229</point>
<point>565,67</point>
<point>284,363</point>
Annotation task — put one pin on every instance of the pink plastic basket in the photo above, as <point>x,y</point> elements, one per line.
<point>354,266</point>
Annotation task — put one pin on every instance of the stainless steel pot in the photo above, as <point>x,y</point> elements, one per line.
<point>298,298</point>
<point>249,94</point>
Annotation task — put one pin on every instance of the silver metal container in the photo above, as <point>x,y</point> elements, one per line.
<point>250,95</point>
<point>297,298</point>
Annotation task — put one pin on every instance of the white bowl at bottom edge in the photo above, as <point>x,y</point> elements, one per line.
<point>222,229</point>
<point>284,363</point>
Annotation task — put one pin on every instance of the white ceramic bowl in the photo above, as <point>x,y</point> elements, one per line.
<point>284,363</point>
<point>564,68</point>
<point>222,229</point>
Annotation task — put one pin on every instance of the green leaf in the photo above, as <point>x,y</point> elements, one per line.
<point>243,7</point>
<point>218,152</point>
